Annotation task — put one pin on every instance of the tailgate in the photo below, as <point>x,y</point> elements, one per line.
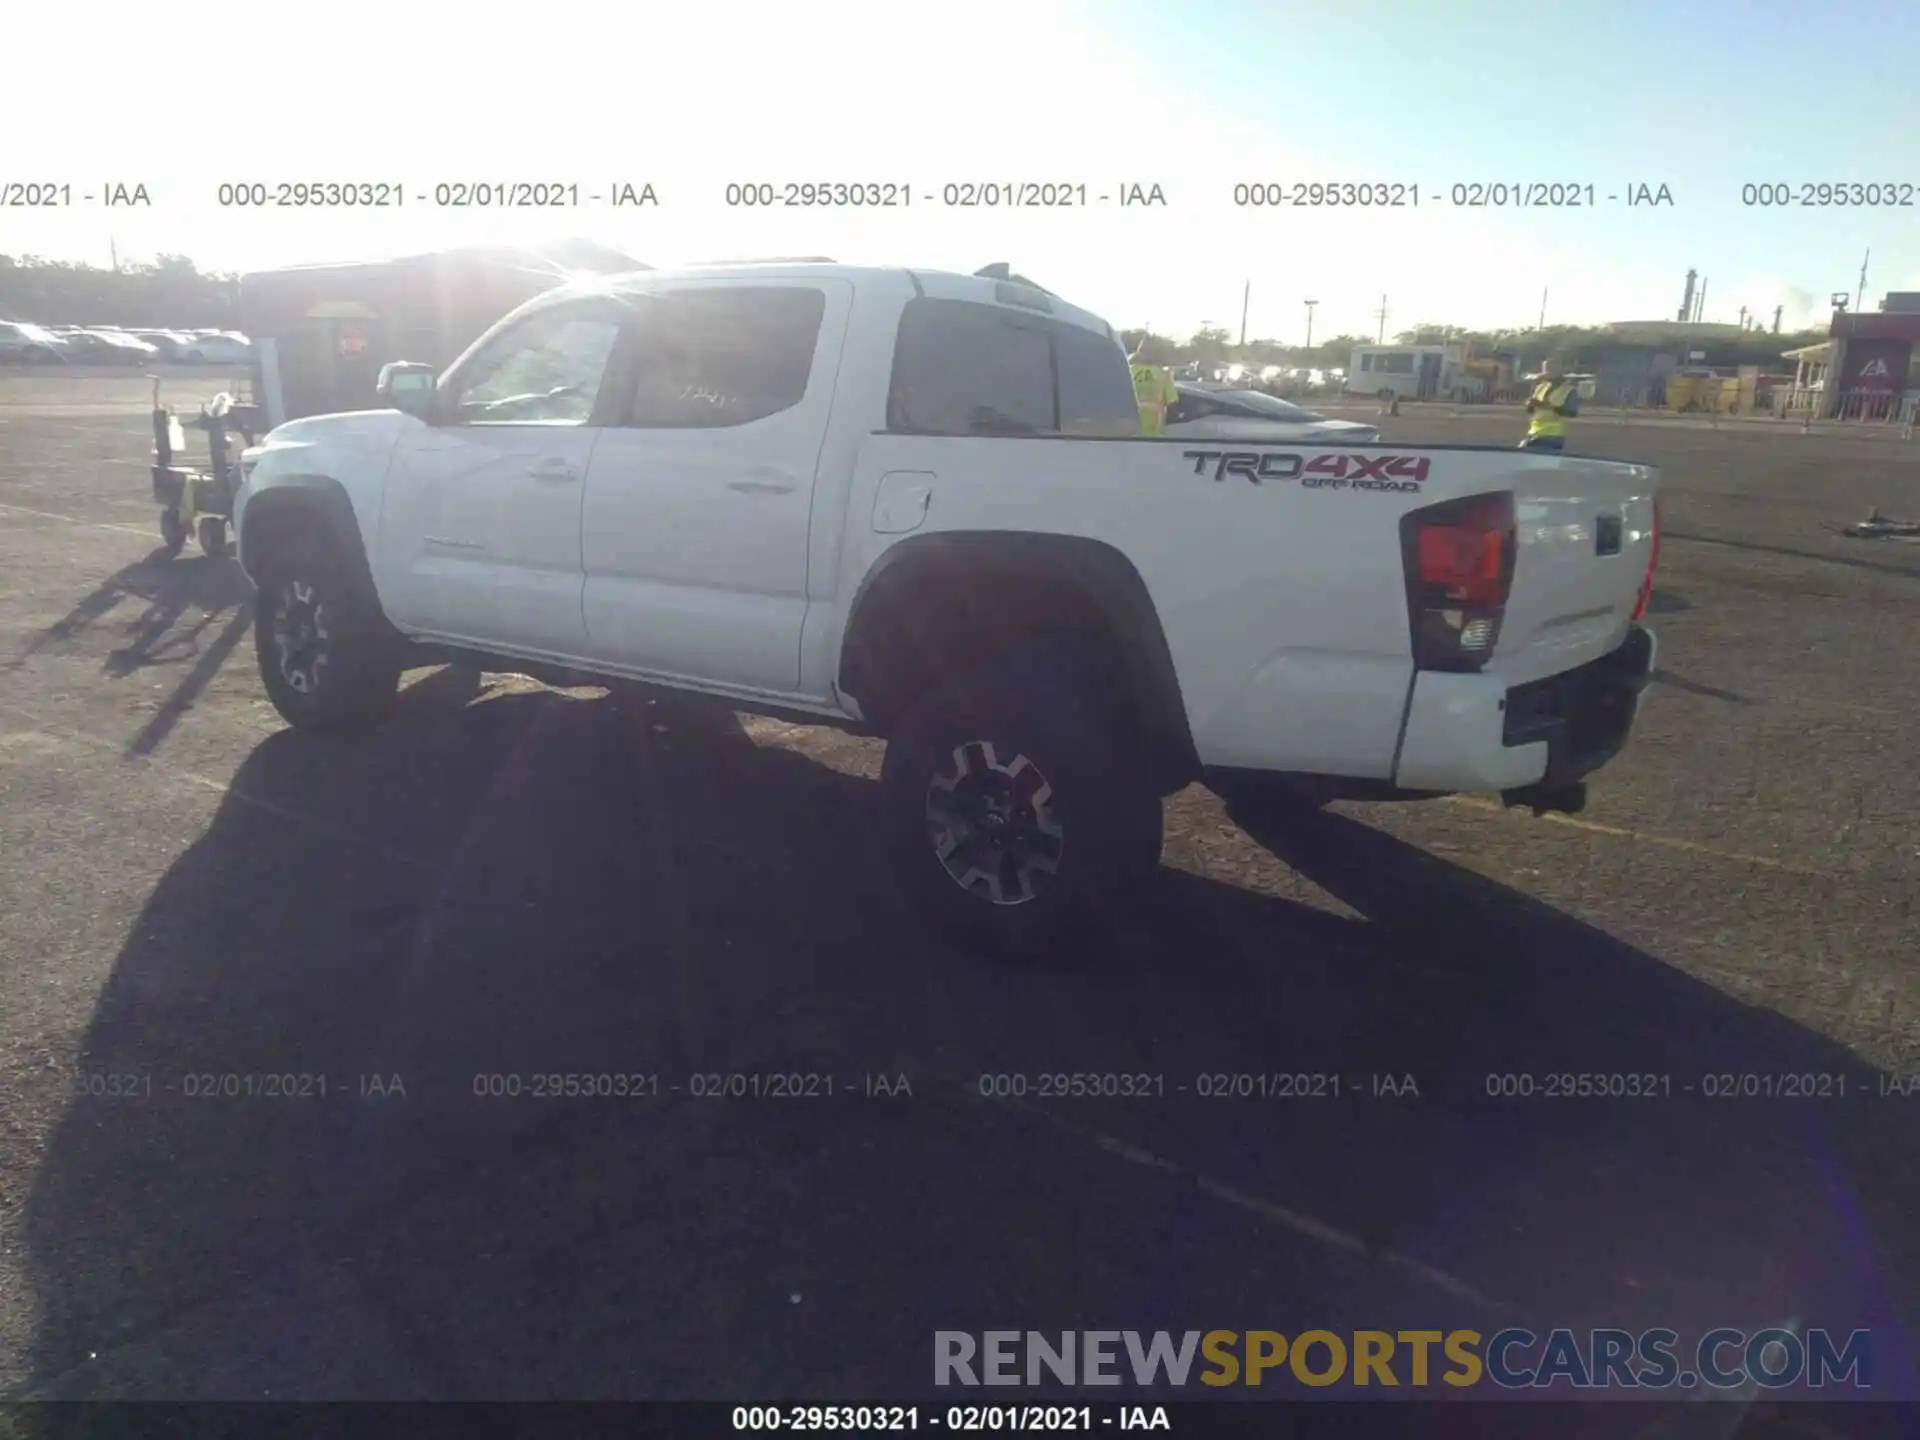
<point>1585,532</point>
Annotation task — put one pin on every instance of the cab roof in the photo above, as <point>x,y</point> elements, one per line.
<point>997,286</point>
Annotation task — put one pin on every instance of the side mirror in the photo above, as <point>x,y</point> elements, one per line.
<point>408,386</point>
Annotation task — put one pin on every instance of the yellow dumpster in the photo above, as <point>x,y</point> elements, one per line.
<point>1698,389</point>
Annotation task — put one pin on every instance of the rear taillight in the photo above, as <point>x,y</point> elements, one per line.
<point>1459,559</point>
<point>1653,562</point>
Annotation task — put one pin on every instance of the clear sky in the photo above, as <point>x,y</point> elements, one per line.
<point>1194,95</point>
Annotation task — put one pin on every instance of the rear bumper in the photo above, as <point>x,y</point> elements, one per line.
<point>1471,733</point>
<point>1584,716</point>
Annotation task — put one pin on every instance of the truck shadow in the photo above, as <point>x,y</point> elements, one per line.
<point>422,925</point>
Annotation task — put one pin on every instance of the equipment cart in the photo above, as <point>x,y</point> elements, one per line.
<point>200,502</point>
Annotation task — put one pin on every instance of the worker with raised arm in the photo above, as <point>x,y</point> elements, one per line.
<point>1554,401</point>
<point>1152,390</point>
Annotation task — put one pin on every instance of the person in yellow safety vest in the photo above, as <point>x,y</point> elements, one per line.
<point>1153,391</point>
<point>1553,402</point>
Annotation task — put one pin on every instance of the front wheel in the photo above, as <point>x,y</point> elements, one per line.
<point>326,658</point>
<point>1016,815</point>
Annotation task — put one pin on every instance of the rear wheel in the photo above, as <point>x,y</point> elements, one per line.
<point>212,534</point>
<point>326,657</point>
<point>1015,812</point>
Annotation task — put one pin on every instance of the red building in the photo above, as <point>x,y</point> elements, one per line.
<point>1871,359</point>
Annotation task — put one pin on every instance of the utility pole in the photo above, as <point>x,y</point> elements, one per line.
<point>1861,292</point>
<point>1543,310</point>
<point>1310,304</point>
<point>1743,317</point>
<point>1380,338</point>
<point>1245,296</point>
<point>113,253</point>
<point>1776,318</point>
<point>1700,301</point>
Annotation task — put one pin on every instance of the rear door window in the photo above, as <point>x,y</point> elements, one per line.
<point>962,368</point>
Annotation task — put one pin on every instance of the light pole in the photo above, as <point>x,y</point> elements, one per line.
<point>1310,304</point>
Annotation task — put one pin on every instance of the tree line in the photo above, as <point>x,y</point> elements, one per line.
<point>172,290</point>
<point>1577,347</point>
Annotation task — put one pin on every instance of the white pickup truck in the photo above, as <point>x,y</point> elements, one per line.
<point>918,505</point>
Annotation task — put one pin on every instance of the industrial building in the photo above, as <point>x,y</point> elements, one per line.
<point>1864,369</point>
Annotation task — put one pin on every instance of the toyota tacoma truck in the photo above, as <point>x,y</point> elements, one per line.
<point>918,505</point>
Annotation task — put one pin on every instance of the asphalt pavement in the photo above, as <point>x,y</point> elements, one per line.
<point>265,1003</point>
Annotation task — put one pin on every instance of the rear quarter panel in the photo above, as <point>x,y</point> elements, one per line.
<point>1283,604</point>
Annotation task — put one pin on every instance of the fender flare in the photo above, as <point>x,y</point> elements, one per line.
<point>319,495</point>
<point>1097,569</point>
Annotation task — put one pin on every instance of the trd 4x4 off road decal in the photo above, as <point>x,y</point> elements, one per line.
<point>1345,471</point>
<point>1253,465</point>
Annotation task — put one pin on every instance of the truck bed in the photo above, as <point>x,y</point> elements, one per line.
<point>1277,570</point>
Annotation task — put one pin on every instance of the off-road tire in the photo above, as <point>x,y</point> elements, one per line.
<point>353,687</point>
<point>1081,775</point>
<point>211,532</point>
<point>173,531</point>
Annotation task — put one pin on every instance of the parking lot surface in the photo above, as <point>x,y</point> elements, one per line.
<point>509,882</point>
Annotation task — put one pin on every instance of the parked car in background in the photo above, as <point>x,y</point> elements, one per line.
<point>21,343</point>
<point>218,349</point>
<point>108,347</point>
<point>1217,413</point>
<point>172,344</point>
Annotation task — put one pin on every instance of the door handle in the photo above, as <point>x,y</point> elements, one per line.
<point>763,482</point>
<point>556,472</point>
